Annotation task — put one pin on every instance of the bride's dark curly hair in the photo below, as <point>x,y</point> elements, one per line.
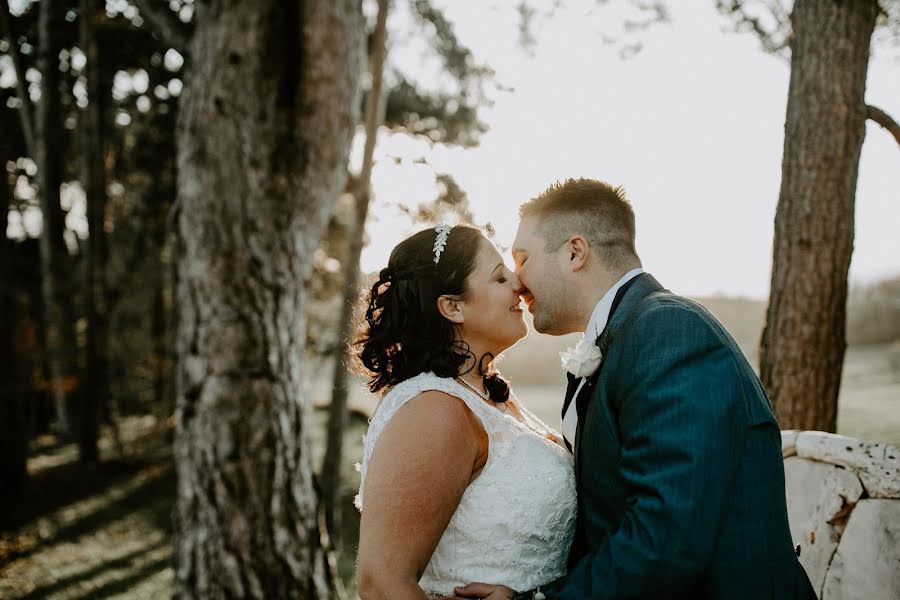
<point>402,333</point>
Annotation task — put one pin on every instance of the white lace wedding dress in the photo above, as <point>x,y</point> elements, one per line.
<point>514,523</point>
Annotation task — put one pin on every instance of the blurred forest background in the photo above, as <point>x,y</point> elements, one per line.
<point>186,190</point>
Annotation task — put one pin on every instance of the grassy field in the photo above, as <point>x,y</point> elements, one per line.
<point>869,402</point>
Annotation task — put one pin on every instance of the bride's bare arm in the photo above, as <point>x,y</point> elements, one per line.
<point>420,467</point>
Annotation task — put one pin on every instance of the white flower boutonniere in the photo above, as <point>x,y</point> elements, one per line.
<point>583,359</point>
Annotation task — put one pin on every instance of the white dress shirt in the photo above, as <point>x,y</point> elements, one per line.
<point>596,325</point>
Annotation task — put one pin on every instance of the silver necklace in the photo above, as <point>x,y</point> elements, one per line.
<point>500,405</point>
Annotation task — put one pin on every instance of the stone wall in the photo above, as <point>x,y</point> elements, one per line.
<point>843,498</point>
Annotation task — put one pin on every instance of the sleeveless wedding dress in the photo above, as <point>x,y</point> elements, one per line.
<point>515,521</point>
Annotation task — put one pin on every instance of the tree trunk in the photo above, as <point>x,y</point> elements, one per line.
<point>337,410</point>
<point>94,182</point>
<point>13,442</point>
<point>164,313</point>
<point>263,136</point>
<point>6,29</point>
<point>803,343</point>
<point>160,337</point>
<point>59,312</point>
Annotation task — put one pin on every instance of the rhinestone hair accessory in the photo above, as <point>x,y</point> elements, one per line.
<point>443,232</point>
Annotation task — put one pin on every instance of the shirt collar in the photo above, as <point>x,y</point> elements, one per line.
<point>600,316</point>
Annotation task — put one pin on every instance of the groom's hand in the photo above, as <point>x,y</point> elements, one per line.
<point>484,590</point>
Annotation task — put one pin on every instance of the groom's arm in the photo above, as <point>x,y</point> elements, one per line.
<point>682,421</point>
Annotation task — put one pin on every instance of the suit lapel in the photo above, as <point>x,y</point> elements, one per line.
<point>628,296</point>
<point>643,285</point>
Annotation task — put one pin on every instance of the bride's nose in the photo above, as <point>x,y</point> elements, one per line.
<point>518,288</point>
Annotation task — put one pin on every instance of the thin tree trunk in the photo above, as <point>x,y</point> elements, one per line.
<point>159,335</point>
<point>21,86</point>
<point>338,411</point>
<point>13,441</point>
<point>55,263</point>
<point>164,314</point>
<point>263,136</point>
<point>94,181</point>
<point>803,343</point>
<point>172,313</point>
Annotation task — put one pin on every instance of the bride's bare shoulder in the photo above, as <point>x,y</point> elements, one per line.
<point>435,411</point>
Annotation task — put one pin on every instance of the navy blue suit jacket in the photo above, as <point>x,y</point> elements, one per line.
<point>679,469</point>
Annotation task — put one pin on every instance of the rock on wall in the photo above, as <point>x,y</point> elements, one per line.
<point>843,498</point>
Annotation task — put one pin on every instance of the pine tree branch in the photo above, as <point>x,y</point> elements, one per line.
<point>877,115</point>
<point>776,40</point>
<point>375,104</point>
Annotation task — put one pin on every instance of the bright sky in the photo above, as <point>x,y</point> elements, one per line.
<point>692,127</point>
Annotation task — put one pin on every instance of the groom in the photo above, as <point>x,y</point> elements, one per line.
<point>678,458</point>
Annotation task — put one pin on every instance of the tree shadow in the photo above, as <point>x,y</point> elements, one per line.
<point>51,488</point>
<point>66,484</point>
<point>154,496</point>
<point>120,586</point>
<point>112,587</point>
<point>63,485</point>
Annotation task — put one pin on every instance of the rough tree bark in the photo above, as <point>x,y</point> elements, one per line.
<point>59,312</point>
<point>804,339</point>
<point>93,180</point>
<point>263,136</point>
<point>338,410</point>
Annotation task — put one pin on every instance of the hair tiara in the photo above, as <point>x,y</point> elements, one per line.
<point>440,242</point>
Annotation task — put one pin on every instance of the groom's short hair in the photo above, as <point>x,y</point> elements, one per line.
<point>594,209</point>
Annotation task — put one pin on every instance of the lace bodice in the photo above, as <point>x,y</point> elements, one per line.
<point>515,521</point>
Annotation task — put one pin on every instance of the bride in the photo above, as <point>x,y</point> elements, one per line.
<point>459,481</point>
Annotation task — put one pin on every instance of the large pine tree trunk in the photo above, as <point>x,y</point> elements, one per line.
<point>93,179</point>
<point>263,136</point>
<point>338,410</point>
<point>59,313</point>
<point>804,339</point>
